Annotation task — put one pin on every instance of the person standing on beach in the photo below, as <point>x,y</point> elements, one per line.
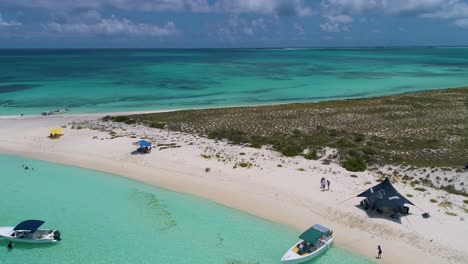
<point>328,183</point>
<point>322,183</point>
<point>379,253</point>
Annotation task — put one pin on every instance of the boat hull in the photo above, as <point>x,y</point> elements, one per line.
<point>5,231</point>
<point>291,257</point>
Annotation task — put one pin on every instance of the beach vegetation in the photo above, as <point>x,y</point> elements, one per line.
<point>450,213</point>
<point>301,169</point>
<point>311,155</point>
<point>158,125</point>
<point>420,189</point>
<point>451,189</point>
<point>409,195</point>
<point>465,201</point>
<point>433,200</point>
<point>353,176</point>
<point>245,164</point>
<point>359,137</point>
<point>446,204</point>
<point>354,164</point>
<point>424,129</point>
<point>205,156</point>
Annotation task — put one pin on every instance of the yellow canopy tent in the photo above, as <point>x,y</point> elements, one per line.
<point>55,132</point>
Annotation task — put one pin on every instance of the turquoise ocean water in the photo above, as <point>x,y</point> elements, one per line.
<point>32,81</point>
<point>108,219</point>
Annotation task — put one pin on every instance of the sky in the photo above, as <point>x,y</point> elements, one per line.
<point>231,23</point>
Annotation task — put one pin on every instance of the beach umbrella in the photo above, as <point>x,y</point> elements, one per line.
<point>144,143</point>
<point>56,131</point>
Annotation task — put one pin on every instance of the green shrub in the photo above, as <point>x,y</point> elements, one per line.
<point>291,150</point>
<point>420,189</point>
<point>311,155</point>
<point>359,137</point>
<point>354,164</point>
<point>451,189</point>
<point>158,125</point>
<point>120,119</point>
<point>409,195</point>
<point>433,200</point>
<point>245,164</point>
<point>369,150</point>
<point>353,153</point>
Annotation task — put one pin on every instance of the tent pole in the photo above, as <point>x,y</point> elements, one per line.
<point>411,225</point>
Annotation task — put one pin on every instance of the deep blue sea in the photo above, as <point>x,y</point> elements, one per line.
<point>88,81</point>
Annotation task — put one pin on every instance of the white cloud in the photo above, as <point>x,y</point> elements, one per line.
<point>11,23</point>
<point>236,26</point>
<point>272,7</point>
<point>111,27</point>
<point>463,23</point>
<point>336,23</point>
<point>299,28</point>
<point>442,9</point>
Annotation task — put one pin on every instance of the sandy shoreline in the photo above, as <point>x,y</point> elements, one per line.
<point>288,194</point>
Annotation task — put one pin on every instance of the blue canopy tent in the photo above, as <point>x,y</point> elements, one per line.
<point>144,143</point>
<point>144,146</point>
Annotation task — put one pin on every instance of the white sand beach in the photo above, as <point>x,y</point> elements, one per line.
<point>283,190</point>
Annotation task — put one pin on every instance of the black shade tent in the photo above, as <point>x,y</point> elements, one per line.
<point>385,196</point>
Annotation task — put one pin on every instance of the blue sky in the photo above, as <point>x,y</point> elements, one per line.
<point>231,23</point>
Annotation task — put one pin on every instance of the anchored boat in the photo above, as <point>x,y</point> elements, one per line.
<point>314,241</point>
<point>28,232</point>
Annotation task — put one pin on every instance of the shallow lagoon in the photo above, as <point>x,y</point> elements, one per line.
<point>104,218</point>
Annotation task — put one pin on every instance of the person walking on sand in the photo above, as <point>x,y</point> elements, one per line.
<point>379,253</point>
<point>328,184</point>
<point>322,183</point>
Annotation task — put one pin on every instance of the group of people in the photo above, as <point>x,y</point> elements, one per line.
<point>305,247</point>
<point>324,184</point>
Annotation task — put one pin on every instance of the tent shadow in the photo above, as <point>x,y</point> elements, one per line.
<point>136,152</point>
<point>375,214</point>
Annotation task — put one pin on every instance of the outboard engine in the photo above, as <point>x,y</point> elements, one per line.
<point>57,235</point>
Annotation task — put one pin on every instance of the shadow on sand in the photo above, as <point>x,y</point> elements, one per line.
<point>384,215</point>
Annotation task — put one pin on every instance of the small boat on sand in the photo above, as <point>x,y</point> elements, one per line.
<point>314,241</point>
<point>28,232</point>
<point>56,112</point>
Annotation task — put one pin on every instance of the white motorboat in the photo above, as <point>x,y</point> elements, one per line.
<point>28,232</point>
<point>313,243</point>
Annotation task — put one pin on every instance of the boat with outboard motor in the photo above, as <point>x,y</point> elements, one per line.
<point>28,232</point>
<point>314,241</point>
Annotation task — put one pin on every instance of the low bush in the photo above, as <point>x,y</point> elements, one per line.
<point>354,164</point>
